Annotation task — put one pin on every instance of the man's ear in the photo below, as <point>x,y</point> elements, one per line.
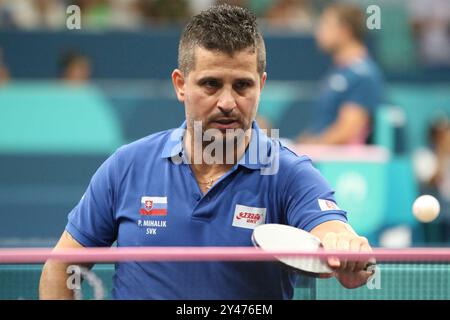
<point>263,81</point>
<point>178,82</point>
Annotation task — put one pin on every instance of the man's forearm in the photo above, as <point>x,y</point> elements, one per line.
<point>335,226</point>
<point>53,283</point>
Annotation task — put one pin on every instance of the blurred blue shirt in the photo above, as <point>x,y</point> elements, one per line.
<point>360,82</point>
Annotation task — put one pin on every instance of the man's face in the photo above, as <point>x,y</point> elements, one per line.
<point>330,32</point>
<point>78,71</point>
<point>443,140</point>
<point>221,91</point>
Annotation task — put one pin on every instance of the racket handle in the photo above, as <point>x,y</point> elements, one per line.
<point>370,265</point>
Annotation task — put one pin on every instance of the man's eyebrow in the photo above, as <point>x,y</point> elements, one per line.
<point>246,79</point>
<point>211,78</point>
<point>207,78</point>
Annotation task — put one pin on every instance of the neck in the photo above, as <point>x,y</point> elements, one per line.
<point>349,53</point>
<point>195,153</point>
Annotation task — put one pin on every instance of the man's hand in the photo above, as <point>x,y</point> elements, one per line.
<point>351,274</point>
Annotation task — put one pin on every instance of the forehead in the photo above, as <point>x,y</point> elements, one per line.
<point>214,61</point>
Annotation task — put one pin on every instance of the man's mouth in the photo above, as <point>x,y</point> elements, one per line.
<point>226,123</point>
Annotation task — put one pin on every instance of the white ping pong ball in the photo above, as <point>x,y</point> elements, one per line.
<point>426,208</point>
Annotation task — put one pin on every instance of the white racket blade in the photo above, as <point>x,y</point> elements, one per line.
<point>282,237</point>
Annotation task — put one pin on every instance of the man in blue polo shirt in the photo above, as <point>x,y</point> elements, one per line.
<point>208,183</point>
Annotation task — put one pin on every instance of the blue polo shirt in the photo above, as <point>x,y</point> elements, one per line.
<point>145,194</point>
<point>360,82</point>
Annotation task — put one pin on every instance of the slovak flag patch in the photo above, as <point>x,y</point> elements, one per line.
<point>153,206</point>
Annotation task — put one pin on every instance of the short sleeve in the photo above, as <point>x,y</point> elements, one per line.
<point>309,198</point>
<point>92,221</point>
<point>366,92</point>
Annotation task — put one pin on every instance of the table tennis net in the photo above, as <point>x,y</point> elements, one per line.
<point>406,274</point>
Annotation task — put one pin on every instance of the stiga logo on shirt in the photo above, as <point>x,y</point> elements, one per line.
<point>248,217</point>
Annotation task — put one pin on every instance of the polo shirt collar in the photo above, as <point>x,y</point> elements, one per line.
<point>174,144</point>
<point>174,147</point>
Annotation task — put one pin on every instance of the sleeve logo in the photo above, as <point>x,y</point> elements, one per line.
<point>327,205</point>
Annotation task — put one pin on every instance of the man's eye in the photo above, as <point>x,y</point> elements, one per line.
<point>210,84</point>
<point>242,85</point>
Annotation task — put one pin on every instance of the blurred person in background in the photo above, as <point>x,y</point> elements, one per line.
<point>200,5</point>
<point>96,14</point>
<point>6,15</point>
<point>353,89</point>
<point>75,68</point>
<point>115,14</point>
<point>432,166</point>
<point>132,14</point>
<point>440,141</point>
<point>431,25</point>
<point>26,14</point>
<point>4,73</point>
<point>166,12</point>
<point>295,15</point>
<point>127,14</point>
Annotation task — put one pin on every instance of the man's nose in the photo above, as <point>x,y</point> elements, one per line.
<point>226,102</point>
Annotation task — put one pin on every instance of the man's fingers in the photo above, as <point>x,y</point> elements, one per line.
<point>329,242</point>
<point>365,247</point>
<point>343,244</point>
<point>346,242</point>
<point>350,273</point>
<point>326,275</point>
<point>356,246</point>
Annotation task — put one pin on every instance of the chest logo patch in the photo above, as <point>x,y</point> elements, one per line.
<point>248,217</point>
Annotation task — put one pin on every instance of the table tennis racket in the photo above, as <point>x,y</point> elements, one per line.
<point>276,237</point>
